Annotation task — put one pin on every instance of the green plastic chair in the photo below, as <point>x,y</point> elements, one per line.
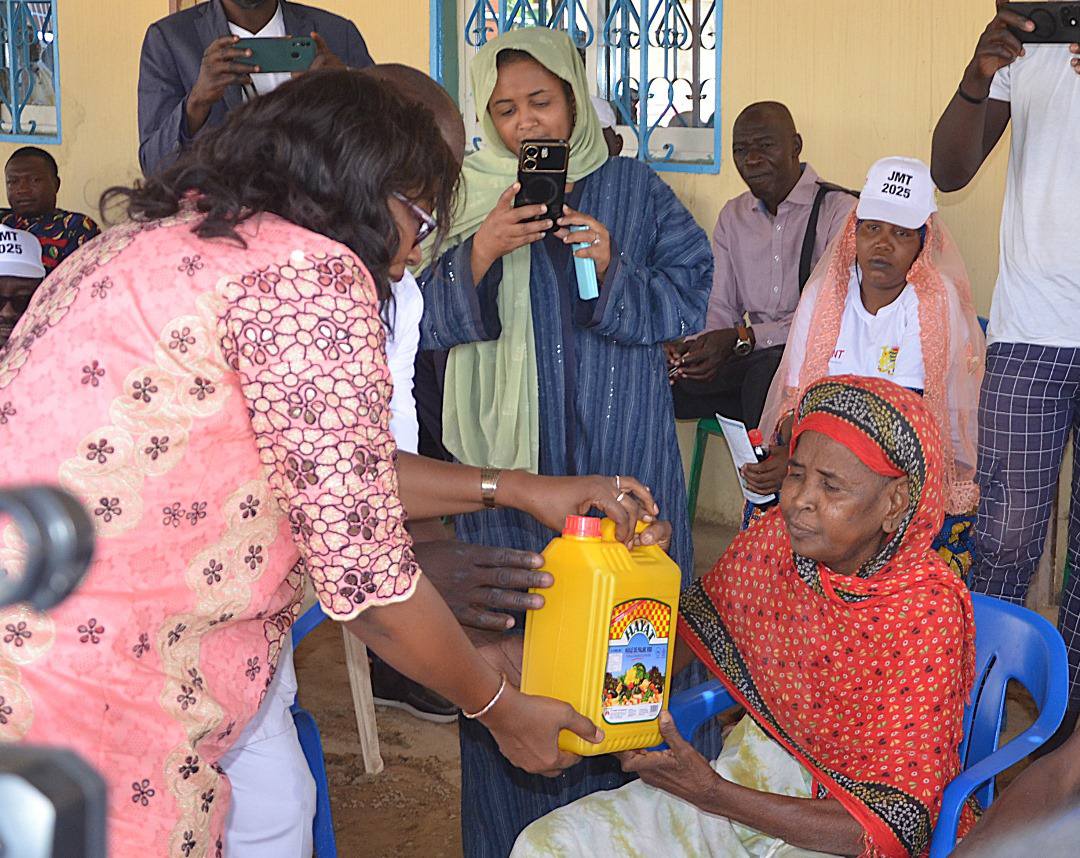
<point>706,426</point>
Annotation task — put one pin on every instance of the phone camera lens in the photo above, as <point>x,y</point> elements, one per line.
<point>531,152</point>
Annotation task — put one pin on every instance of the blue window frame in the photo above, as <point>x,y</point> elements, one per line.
<point>29,72</point>
<point>673,69</point>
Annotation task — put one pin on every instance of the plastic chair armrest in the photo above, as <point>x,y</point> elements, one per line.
<point>965,783</point>
<point>307,621</point>
<point>693,707</point>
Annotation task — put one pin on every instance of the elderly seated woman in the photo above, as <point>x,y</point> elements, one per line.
<point>846,638</point>
<point>891,299</point>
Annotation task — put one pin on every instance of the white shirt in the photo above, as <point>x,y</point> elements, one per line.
<point>275,27</point>
<point>402,341</point>
<point>1037,299</point>
<point>885,345</point>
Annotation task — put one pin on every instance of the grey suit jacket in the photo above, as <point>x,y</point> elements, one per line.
<point>172,53</point>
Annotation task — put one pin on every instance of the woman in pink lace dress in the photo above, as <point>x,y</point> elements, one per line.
<point>209,379</point>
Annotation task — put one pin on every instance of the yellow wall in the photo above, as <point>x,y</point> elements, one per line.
<point>862,83</point>
<point>863,80</point>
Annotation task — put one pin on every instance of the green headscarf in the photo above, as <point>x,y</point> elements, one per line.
<point>490,405</point>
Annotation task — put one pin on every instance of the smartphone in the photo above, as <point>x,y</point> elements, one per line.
<point>1055,23</point>
<point>542,168</point>
<point>279,53</point>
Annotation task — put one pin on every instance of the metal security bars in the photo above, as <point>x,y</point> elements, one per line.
<point>29,72</point>
<point>662,76</point>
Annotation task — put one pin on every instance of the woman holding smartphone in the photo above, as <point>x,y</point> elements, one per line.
<point>541,379</point>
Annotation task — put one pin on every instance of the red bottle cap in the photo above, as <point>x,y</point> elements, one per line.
<point>582,526</point>
<point>755,437</point>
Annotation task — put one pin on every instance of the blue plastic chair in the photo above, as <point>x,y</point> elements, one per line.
<point>311,742</point>
<point>1011,643</point>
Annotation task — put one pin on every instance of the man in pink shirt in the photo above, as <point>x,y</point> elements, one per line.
<point>765,245</point>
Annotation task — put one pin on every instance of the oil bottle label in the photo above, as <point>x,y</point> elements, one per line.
<point>636,661</point>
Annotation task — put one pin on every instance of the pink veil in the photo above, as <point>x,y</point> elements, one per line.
<point>953,346</point>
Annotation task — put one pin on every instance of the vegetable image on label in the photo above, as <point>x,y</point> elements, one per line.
<point>636,661</point>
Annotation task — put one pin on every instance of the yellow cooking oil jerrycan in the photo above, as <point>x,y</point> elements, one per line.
<point>605,638</point>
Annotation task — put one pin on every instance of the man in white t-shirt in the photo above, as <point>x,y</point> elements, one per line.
<point>1031,391</point>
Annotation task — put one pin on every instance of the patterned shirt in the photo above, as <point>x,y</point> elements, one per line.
<point>228,431</point>
<point>60,232</point>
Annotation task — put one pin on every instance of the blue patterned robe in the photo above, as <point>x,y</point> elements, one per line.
<point>605,408</point>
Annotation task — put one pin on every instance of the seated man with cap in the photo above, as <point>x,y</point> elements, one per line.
<point>21,271</point>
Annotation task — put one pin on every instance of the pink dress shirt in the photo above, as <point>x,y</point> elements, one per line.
<point>757,255</point>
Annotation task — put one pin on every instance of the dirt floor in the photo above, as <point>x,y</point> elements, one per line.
<point>412,807</point>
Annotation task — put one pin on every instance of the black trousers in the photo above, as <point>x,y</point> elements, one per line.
<point>738,391</point>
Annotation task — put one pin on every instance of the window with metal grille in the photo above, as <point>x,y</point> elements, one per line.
<point>657,61</point>
<point>30,72</point>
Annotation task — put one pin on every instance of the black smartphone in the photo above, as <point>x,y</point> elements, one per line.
<point>542,168</point>
<point>1055,23</point>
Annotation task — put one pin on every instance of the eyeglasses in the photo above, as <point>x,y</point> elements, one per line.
<point>428,224</point>
<point>19,303</point>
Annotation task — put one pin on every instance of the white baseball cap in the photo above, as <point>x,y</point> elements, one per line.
<point>898,191</point>
<point>604,110</point>
<point>20,254</point>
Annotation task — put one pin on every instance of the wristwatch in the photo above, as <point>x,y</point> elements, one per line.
<point>743,346</point>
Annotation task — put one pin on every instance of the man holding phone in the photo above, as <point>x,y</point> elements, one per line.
<point>1031,390</point>
<point>191,73</point>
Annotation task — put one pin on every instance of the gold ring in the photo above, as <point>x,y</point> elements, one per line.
<point>620,496</point>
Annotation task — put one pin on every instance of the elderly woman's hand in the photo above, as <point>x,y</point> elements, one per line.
<point>595,235</point>
<point>766,477</point>
<point>680,770</point>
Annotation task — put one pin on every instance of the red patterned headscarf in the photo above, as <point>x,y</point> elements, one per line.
<point>864,677</point>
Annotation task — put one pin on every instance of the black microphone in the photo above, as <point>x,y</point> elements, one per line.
<point>59,538</point>
<point>52,803</point>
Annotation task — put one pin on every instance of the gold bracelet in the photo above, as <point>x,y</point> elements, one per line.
<point>489,482</point>
<point>502,687</point>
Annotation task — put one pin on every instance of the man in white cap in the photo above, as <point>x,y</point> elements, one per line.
<point>1030,401</point>
<point>606,113</point>
<point>21,271</point>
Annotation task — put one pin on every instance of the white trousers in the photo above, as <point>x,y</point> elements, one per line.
<point>273,793</point>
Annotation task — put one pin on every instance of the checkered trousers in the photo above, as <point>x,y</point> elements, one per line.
<point>1029,404</point>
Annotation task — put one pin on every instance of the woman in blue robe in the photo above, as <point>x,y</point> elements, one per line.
<point>542,379</point>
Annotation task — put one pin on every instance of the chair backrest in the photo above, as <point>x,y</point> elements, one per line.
<point>1011,643</point>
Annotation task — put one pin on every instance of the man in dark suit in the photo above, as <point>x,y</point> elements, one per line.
<point>190,77</point>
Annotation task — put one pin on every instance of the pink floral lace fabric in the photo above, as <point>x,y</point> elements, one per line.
<point>223,414</point>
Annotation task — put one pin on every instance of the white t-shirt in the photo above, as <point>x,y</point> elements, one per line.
<point>885,345</point>
<point>402,341</point>
<point>1037,299</point>
<point>275,27</point>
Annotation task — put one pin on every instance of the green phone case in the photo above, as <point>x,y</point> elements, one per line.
<point>279,54</point>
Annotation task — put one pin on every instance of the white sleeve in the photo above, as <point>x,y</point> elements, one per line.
<point>402,343</point>
<point>1001,85</point>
